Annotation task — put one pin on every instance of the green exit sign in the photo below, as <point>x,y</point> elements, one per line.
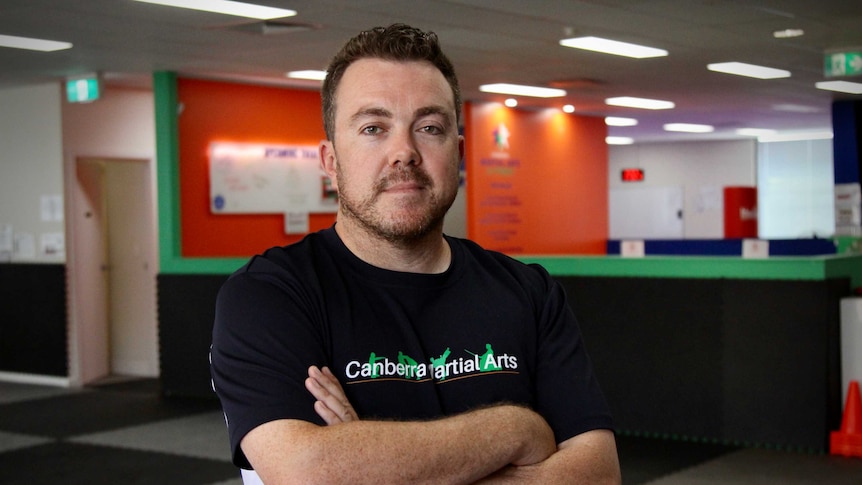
<point>82,90</point>
<point>843,64</point>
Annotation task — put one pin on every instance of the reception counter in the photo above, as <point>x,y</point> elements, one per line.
<point>717,349</point>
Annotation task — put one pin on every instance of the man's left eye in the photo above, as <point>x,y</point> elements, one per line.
<point>431,129</point>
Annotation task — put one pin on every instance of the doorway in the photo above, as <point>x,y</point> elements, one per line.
<point>114,270</point>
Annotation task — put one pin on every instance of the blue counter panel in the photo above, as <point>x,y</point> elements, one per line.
<point>729,247</point>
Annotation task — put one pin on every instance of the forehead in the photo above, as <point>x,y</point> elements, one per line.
<point>393,85</point>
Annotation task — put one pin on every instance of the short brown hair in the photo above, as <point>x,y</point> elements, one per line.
<point>398,42</point>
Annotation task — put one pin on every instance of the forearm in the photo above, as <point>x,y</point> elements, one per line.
<point>458,449</point>
<point>590,458</point>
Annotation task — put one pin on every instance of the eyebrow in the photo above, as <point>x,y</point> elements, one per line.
<point>377,112</point>
<point>371,112</point>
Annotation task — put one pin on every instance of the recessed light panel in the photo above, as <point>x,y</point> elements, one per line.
<point>796,136</point>
<point>841,86</point>
<point>620,121</point>
<point>754,132</point>
<point>309,74</point>
<point>788,33</point>
<point>617,48</point>
<point>688,128</point>
<point>521,90</point>
<point>749,70</point>
<point>33,44</point>
<point>227,7</point>
<point>642,103</point>
<point>618,140</point>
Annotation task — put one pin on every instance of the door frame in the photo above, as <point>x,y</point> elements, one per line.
<point>89,327</point>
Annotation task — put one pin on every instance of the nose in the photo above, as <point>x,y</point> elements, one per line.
<point>404,150</point>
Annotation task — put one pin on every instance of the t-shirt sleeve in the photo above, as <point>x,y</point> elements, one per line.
<point>264,340</point>
<point>568,395</point>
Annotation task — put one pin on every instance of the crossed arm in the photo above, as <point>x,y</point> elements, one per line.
<point>499,444</point>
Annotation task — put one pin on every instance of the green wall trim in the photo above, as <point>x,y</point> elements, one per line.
<point>167,169</point>
<point>784,268</point>
<point>198,266</point>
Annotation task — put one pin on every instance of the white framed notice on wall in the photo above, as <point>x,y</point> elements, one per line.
<point>251,178</point>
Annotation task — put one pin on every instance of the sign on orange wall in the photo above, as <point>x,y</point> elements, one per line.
<point>536,180</point>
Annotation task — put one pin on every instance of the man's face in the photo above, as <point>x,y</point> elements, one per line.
<point>396,151</point>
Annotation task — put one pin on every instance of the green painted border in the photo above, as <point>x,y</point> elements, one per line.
<point>172,262</point>
<point>780,268</point>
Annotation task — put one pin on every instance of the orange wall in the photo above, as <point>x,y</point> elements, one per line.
<point>547,192</point>
<point>227,112</point>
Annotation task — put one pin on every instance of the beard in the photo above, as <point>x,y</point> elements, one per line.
<point>416,217</point>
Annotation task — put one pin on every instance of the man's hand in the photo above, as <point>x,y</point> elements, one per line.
<point>332,404</point>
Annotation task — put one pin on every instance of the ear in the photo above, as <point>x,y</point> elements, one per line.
<point>462,148</point>
<point>328,161</point>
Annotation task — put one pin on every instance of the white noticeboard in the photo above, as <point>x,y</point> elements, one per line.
<point>248,178</point>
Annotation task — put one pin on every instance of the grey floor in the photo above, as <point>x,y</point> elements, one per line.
<point>126,432</point>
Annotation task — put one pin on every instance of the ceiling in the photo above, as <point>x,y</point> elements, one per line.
<point>489,41</point>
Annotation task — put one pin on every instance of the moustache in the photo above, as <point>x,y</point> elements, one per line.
<point>404,175</point>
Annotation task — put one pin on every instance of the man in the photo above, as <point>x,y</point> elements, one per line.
<point>381,350</point>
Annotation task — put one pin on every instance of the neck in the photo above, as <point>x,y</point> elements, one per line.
<point>428,254</point>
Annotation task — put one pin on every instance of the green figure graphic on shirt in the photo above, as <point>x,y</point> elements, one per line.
<point>410,365</point>
<point>440,362</point>
<point>372,359</point>
<point>487,362</point>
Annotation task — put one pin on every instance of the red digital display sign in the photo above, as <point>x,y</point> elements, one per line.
<point>632,175</point>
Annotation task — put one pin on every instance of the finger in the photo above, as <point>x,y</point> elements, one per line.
<point>329,417</point>
<point>324,386</point>
<point>347,413</point>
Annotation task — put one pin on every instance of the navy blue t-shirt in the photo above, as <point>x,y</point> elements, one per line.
<point>404,346</point>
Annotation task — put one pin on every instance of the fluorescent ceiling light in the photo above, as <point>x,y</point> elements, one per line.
<point>227,7</point>
<point>618,140</point>
<point>788,33</point>
<point>798,136</point>
<point>617,48</point>
<point>520,90</point>
<point>620,121</point>
<point>795,108</point>
<point>688,128</point>
<point>310,74</point>
<point>643,103</point>
<point>33,44</point>
<point>841,86</point>
<point>750,70</point>
<point>754,132</point>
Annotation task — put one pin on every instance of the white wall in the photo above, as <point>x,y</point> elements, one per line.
<point>701,168</point>
<point>31,173</point>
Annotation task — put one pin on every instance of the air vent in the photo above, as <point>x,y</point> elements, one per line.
<point>269,27</point>
<point>577,83</point>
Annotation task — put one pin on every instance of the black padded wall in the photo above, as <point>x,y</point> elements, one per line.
<point>186,313</point>
<point>33,337</point>
<point>743,361</point>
